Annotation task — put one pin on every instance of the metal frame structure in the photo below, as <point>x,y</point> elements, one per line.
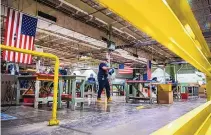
<point>53,120</point>
<point>89,88</point>
<point>135,89</point>
<point>35,84</point>
<point>71,90</point>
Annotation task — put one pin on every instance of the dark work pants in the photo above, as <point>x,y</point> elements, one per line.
<point>103,84</point>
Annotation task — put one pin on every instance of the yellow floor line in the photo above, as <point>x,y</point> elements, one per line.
<point>139,107</point>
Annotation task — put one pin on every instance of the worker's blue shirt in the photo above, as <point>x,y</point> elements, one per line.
<point>91,79</point>
<point>102,73</point>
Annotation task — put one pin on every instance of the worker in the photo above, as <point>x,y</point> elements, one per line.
<point>103,79</point>
<point>91,78</point>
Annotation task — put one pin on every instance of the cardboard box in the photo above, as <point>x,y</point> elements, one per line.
<point>165,87</point>
<point>165,94</point>
<point>165,97</point>
<point>202,92</point>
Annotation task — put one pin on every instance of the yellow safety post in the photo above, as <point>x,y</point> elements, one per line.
<point>208,88</point>
<point>53,120</point>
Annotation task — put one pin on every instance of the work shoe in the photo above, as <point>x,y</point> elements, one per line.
<point>109,99</point>
<point>98,99</point>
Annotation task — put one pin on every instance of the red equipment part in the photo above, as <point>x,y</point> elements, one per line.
<point>184,95</point>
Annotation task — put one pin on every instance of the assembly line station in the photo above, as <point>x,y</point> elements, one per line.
<point>157,53</point>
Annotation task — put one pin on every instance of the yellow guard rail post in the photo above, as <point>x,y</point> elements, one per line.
<point>53,120</point>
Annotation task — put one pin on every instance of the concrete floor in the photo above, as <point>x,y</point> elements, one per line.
<point>117,118</point>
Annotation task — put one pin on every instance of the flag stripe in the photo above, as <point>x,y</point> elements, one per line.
<point>32,48</point>
<point>21,44</point>
<point>8,31</point>
<point>30,45</point>
<point>17,37</point>
<point>24,47</point>
<point>14,34</point>
<point>27,48</point>
<point>11,32</point>
<point>7,12</point>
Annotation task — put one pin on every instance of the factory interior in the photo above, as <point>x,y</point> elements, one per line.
<point>105,67</point>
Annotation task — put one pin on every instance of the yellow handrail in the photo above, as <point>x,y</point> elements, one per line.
<point>53,120</point>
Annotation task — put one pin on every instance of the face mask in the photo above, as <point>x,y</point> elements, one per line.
<point>108,65</point>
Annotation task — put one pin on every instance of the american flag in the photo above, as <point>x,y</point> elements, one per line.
<point>149,72</point>
<point>124,69</point>
<point>20,33</point>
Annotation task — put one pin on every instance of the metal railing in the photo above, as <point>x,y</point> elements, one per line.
<point>53,120</point>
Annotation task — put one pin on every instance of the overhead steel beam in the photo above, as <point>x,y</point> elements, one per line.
<point>171,23</point>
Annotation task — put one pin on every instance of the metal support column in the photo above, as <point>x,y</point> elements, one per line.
<point>18,93</point>
<point>36,94</point>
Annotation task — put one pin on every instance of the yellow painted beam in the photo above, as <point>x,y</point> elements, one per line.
<point>186,17</point>
<point>171,23</point>
<point>195,122</point>
<point>208,88</point>
<point>53,120</point>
